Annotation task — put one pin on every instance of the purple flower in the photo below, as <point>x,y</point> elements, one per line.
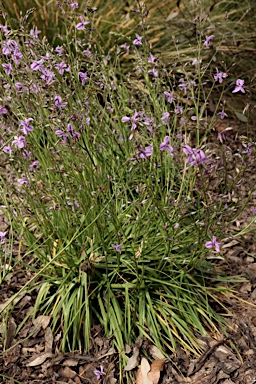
<point>61,67</point>
<point>23,180</point>
<point>34,165</point>
<point>80,26</point>
<point>18,86</point>
<point>169,96</point>
<point>8,47</point>
<point>213,243</point>
<point>17,56</point>
<point>178,110</point>
<point>26,127</point>
<point>3,110</point>
<point>74,5</point>
<point>219,76</point>
<point>72,132</point>
<point>239,86</point>
<point>62,135</point>
<point>83,77</point>
<point>165,117</point>
<point>195,156</point>
<point>182,85</point>
<point>125,47</point>
<point>117,247</point>
<point>7,149</point>
<point>59,50</point>
<point>132,119</point>
<point>208,40</point>
<point>37,65</point>
<point>87,53</point>
<point>222,114</point>
<point>20,142</point>
<point>2,237</point>
<point>99,373</point>
<point>34,32</point>
<point>153,72</point>
<point>137,41</point>
<point>26,153</point>
<point>143,153</point>
<point>166,145</point>
<point>58,102</point>
<point>151,58</point>
<point>48,76</point>
<point>8,68</point>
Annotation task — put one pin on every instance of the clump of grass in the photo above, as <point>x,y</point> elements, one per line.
<point>113,198</point>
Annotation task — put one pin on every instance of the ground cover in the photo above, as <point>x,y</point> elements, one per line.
<point>119,188</point>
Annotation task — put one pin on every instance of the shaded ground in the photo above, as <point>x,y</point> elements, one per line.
<point>33,355</point>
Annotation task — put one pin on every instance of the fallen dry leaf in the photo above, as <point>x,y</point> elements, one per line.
<point>156,353</point>
<point>67,372</point>
<point>11,329</point>
<point>142,374</point>
<point>48,340</point>
<point>155,369</point>
<point>133,360</point>
<point>42,321</point>
<point>40,359</point>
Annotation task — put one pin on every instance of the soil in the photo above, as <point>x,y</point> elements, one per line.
<point>33,355</point>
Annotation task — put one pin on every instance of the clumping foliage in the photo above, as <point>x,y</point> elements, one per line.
<point>119,198</point>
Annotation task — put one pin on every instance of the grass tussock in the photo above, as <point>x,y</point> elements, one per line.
<point>119,200</point>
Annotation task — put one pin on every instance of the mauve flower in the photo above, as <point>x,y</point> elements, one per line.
<point>213,243</point>
<point>3,110</point>
<point>7,149</point>
<point>166,145</point>
<point>27,128</point>
<point>2,237</point>
<point>118,247</point>
<point>80,26</point>
<point>153,72</point>
<point>74,5</point>
<point>208,40</point>
<point>125,47</point>
<point>87,53</point>
<point>182,85</point>
<point>61,67</point>
<point>239,86</point>
<point>61,135</point>
<point>132,119</point>
<point>9,46</point>
<point>178,110</point>
<point>20,142</point>
<point>58,102</point>
<point>83,77</point>
<point>8,68</point>
<point>195,156</point>
<point>34,165</point>
<point>59,50</point>
<point>143,153</point>
<point>222,114</point>
<point>37,65</point>
<point>17,56</point>
<point>138,39</point>
<point>151,58</point>
<point>34,32</point>
<point>169,96</point>
<point>99,373</point>
<point>219,76</point>
<point>165,117</point>
<point>23,180</point>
